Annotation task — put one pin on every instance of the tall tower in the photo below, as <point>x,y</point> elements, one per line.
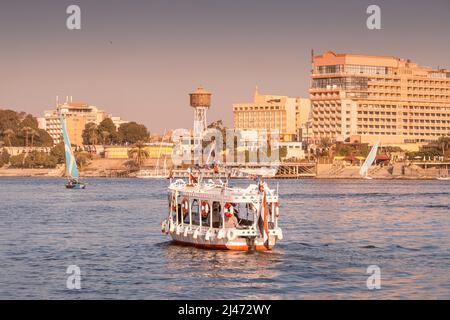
<point>200,101</point>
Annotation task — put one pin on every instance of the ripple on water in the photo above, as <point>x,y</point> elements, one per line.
<point>333,231</point>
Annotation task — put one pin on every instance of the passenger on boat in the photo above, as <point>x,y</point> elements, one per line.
<point>72,182</point>
<point>216,214</point>
<point>231,222</point>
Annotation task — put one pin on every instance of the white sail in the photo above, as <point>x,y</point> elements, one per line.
<point>369,160</point>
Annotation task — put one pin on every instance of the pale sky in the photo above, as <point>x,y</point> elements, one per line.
<point>139,59</point>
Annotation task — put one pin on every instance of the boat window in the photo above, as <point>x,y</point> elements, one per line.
<point>195,212</point>
<point>245,212</point>
<point>180,214</point>
<point>217,217</point>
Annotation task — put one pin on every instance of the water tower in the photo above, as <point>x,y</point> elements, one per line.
<point>200,101</point>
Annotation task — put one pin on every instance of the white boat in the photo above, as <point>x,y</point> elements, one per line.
<point>443,178</point>
<point>149,174</point>
<point>154,174</point>
<point>364,171</point>
<point>213,215</point>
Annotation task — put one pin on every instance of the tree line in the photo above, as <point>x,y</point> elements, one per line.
<point>106,133</point>
<point>41,159</point>
<point>19,129</point>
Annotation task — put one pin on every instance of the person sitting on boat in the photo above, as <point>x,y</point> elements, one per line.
<point>231,221</point>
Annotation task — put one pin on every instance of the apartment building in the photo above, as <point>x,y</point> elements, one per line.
<point>76,115</point>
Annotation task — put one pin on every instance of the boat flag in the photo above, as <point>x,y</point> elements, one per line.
<point>192,179</point>
<point>216,168</point>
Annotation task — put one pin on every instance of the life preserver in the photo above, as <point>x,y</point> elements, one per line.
<point>277,209</point>
<point>228,210</point>
<point>164,226</point>
<point>205,209</point>
<point>279,234</point>
<point>185,207</point>
<point>208,234</point>
<point>221,234</point>
<point>171,226</point>
<point>231,234</point>
<point>196,233</point>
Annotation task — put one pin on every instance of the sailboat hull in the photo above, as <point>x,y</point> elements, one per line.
<point>76,186</point>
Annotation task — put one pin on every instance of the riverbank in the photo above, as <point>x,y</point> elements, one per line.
<point>397,171</point>
<point>114,168</point>
<point>29,172</point>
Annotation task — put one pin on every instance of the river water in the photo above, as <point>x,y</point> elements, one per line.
<point>334,230</point>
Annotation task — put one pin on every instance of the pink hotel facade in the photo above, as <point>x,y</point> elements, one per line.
<point>374,97</point>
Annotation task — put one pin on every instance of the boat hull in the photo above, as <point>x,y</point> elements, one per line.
<point>77,186</point>
<point>219,239</point>
<point>230,247</point>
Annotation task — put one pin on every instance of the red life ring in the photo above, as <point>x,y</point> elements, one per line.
<point>228,210</point>
<point>185,206</point>
<point>205,209</point>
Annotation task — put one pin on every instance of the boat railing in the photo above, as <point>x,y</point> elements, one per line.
<point>178,184</point>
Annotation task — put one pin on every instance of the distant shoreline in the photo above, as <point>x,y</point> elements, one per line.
<point>49,173</point>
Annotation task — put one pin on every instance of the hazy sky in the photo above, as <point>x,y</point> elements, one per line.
<point>140,59</point>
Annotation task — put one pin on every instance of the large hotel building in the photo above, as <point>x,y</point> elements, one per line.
<point>286,115</point>
<point>376,97</point>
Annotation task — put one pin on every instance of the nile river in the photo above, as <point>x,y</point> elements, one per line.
<point>333,231</point>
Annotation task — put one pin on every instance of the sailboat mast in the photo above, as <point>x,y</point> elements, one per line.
<point>159,153</point>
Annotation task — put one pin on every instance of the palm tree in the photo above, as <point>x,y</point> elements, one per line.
<point>8,133</point>
<point>26,130</point>
<point>138,153</point>
<point>105,134</point>
<point>444,142</point>
<point>93,136</point>
<point>326,145</point>
<point>33,133</point>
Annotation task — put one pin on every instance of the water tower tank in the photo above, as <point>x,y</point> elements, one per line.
<point>200,98</point>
